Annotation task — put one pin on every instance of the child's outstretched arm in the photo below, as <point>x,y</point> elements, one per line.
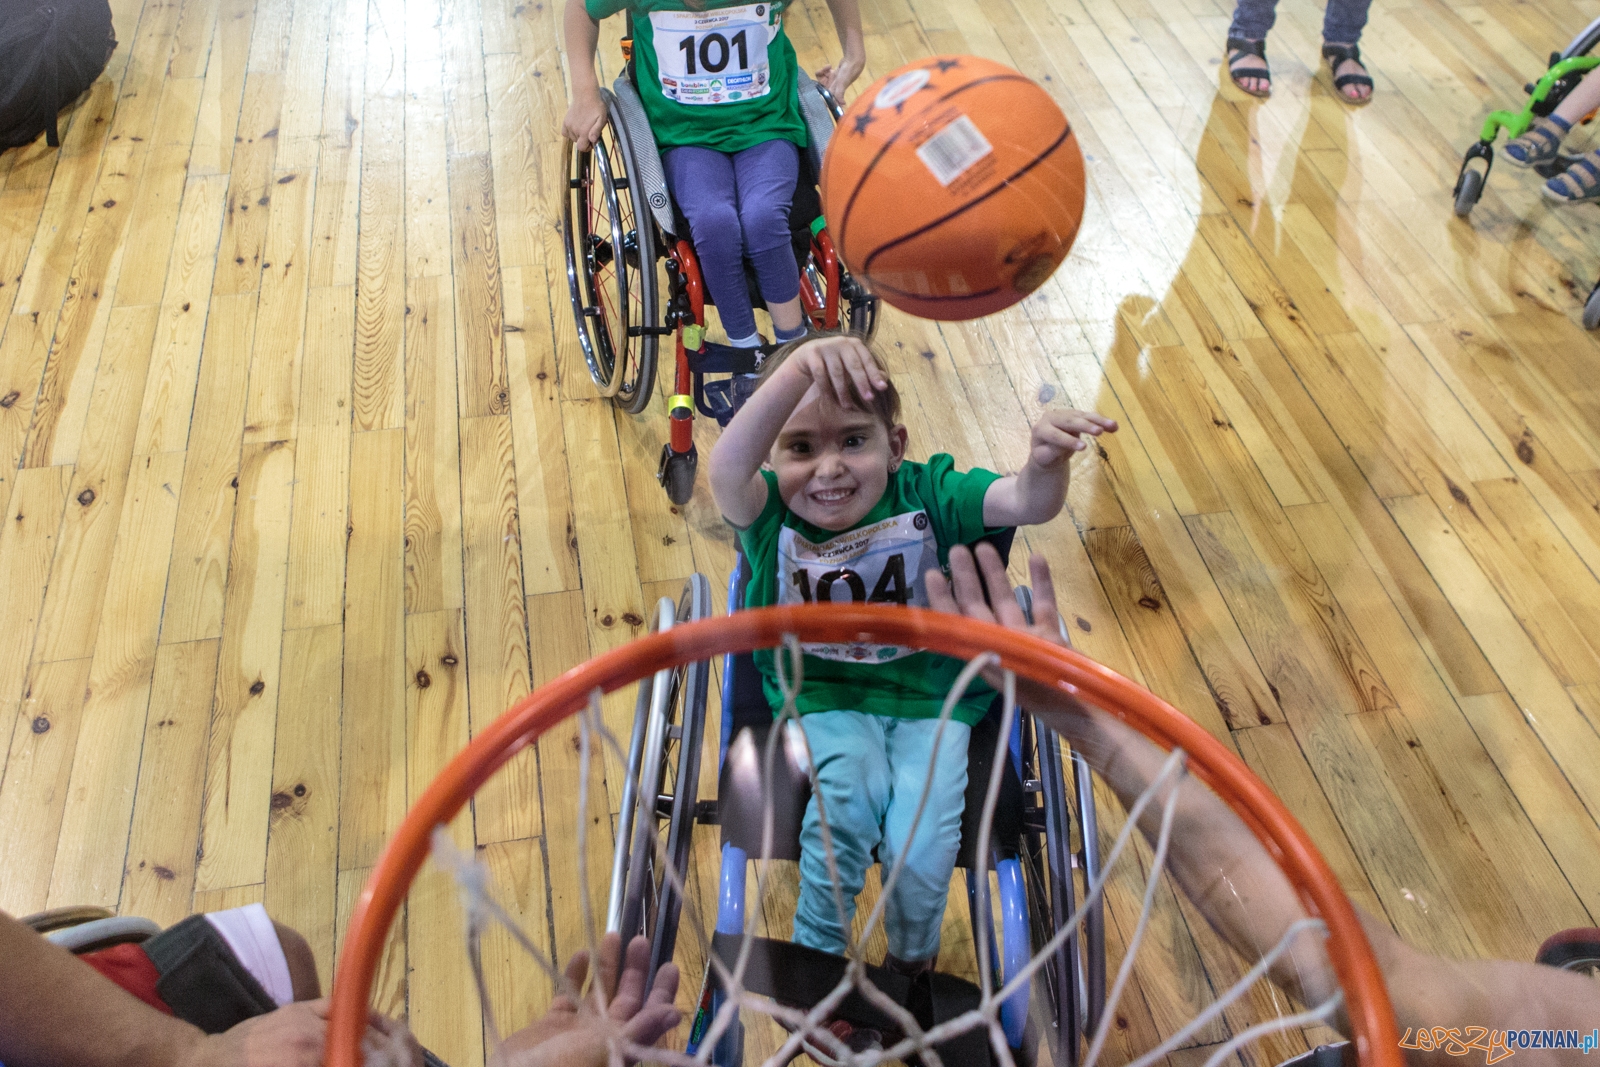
<point>587,112</point>
<point>836,366</point>
<point>1037,492</point>
<point>847,21</point>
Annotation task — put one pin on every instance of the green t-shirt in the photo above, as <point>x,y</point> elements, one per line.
<point>722,78</point>
<point>926,508</point>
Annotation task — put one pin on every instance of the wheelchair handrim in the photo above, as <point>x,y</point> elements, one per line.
<point>1366,999</point>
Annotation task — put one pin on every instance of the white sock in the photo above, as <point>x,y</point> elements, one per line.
<point>753,341</point>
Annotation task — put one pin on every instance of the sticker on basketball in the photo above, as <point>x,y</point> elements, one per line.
<point>954,186</point>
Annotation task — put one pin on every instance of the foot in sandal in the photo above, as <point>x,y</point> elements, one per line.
<point>1540,144</point>
<point>1350,77</point>
<point>1247,66</point>
<point>1578,184</point>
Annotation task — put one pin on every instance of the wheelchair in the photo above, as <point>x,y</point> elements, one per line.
<point>619,221</point>
<point>1033,859</point>
<point>1567,68</point>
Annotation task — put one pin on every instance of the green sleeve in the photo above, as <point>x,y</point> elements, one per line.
<point>954,500</point>
<point>599,9</point>
<point>771,515</point>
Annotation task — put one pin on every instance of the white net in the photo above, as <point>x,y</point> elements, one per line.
<point>1240,1013</point>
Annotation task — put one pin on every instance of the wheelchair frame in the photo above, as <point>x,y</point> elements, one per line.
<point>1567,68</point>
<point>1036,883</point>
<point>613,243</point>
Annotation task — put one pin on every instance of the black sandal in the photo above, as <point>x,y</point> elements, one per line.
<point>1238,48</point>
<point>1338,53</point>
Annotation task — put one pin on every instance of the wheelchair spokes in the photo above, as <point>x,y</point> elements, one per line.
<point>611,269</point>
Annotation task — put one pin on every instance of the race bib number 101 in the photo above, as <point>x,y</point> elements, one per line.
<point>713,57</point>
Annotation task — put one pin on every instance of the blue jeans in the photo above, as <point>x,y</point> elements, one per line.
<point>1342,22</point>
<point>738,206</point>
<point>870,772</point>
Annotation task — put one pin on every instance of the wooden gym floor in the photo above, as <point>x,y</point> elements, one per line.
<point>304,479</point>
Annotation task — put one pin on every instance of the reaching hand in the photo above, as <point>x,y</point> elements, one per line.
<point>833,364</point>
<point>584,121</point>
<point>962,593</point>
<point>836,78</point>
<point>1058,434</point>
<point>573,1034</point>
<point>295,1035</point>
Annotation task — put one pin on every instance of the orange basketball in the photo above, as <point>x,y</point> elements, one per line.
<point>953,186</point>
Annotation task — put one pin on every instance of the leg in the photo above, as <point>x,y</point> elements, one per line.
<point>847,749</point>
<point>1251,21</point>
<point>766,175</point>
<point>1542,142</point>
<point>915,910</point>
<point>302,964</point>
<point>1342,24</point>
<point>702,184</point>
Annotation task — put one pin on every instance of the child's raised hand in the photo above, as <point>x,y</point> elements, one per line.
<point>834,363</point>
<point>585,118</point>
<point>1058,434</point>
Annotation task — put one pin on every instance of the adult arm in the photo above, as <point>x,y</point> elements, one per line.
<point>57,1011</point>
<point>1228,875</point>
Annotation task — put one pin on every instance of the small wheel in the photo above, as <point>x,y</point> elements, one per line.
<point>676,473</point>
<point>1468,191</point>
<point>1591,309</point>
<point>611,266</point>
<point>1572,950</point>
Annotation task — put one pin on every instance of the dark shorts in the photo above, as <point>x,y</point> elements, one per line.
<point>189,971</point>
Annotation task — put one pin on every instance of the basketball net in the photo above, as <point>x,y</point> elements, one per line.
<point>483,913</point>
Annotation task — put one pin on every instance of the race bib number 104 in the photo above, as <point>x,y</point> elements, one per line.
<point>879,564</point>
<point>713,57</point>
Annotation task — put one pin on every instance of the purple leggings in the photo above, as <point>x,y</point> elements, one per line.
<point>738,206</point>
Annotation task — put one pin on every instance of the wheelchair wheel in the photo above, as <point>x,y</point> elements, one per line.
<point>661,790</point>
<point>611,266</point>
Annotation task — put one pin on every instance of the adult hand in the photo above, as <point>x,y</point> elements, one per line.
<point>576,1033</point>
<point>584,119</point>
<point>295,1036</point>
<point>835,364</point>
<point>1059,433</point>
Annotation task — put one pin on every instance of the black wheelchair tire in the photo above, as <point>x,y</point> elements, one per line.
<point>622,361</point>
<point>1468,190</point>
<point>651,905</point>
<point>678,477</point>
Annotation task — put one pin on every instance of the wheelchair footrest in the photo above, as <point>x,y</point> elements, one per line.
<point>800,977</point>
<point>722,399</point>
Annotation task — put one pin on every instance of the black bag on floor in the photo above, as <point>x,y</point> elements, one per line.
<point>50,52</point>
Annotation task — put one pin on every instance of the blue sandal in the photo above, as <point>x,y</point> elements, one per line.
<point>1578,184</point>
<point>1540,144</point>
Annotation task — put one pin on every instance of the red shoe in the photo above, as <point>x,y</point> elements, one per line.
<point>1577,949</point>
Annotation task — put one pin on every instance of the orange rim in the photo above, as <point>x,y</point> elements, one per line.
<point>1375,1035</point>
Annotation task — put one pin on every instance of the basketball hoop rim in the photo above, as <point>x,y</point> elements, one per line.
<point>1367,1003</point>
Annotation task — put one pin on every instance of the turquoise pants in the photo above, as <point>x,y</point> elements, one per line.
<point>870,773</point>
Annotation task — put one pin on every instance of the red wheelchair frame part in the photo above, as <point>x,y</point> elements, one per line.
<point>682,425</point>
<point>688,266</point>
<point>1367,1004</point>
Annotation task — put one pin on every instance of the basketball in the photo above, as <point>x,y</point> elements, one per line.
<point>953,186</point>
